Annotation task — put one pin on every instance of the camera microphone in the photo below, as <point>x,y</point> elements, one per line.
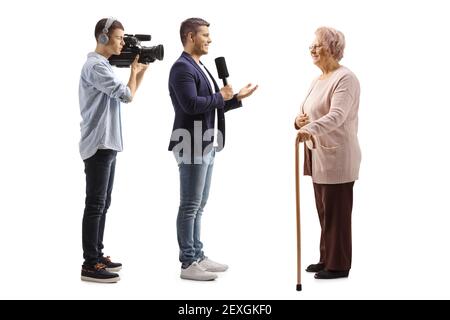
<point>143,37</point>
<point>222,70</point>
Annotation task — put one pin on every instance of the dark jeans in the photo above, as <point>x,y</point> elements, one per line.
<point>99,171</point>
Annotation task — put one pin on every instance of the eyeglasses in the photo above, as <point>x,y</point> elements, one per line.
<point>315,46</point>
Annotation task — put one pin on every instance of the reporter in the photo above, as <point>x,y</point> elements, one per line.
<point>200,105</point>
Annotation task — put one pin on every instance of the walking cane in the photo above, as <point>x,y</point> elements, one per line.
<point>297,204</point>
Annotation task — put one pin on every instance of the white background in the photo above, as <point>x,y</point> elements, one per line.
<point>398,50</point>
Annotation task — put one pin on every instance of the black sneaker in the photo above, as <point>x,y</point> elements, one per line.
<point>110,266</point>
<point>98,273</point>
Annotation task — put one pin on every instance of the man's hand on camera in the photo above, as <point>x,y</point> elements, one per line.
<point>246,91</point>
<point>227,92</point>
<point>137,67</point>
<point>136,75</point>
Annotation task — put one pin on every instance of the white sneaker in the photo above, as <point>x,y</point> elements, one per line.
<point>212,266</point>
<point>195,272</point>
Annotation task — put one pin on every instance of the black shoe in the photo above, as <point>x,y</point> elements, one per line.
<point>316,267</point>
<point>327,274</point>
<point>110,266</point>
<point>98,273</point>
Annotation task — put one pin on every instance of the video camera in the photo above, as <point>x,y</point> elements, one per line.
<point>133,47</point>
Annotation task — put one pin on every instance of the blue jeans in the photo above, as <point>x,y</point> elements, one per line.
<point>195,181</point>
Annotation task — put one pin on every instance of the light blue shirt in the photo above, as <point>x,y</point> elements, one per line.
<point>100,94</point>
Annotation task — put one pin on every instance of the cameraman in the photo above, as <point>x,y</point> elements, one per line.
<point>100,95</point>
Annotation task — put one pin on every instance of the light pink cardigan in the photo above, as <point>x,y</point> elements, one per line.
<point>332,105</point>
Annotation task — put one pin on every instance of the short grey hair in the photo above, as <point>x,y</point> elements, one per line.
<point>333,39</point>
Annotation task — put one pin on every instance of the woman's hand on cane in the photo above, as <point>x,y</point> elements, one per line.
<point>303,135</point>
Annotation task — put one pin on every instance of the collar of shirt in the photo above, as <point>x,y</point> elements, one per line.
<point>97,55</point>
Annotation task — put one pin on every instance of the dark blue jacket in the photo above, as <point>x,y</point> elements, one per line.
<point>193,99</point>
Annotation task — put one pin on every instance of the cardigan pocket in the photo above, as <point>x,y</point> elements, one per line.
<point>329,148</point>
<point>330,162</point>
<point>329,142</point>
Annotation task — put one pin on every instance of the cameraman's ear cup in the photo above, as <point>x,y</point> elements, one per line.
<point>103,39</point>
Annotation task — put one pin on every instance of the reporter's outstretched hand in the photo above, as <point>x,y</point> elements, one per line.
<point>246,91</point>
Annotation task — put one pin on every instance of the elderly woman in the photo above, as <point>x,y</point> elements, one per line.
<point>329,115</point>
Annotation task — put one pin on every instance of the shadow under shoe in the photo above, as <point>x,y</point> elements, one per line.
<point>110,266</point>
<point>98,273</point>
<point>315,267</point>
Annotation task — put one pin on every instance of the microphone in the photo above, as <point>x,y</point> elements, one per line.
<point>143,37</point>
<point>222,70</point>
